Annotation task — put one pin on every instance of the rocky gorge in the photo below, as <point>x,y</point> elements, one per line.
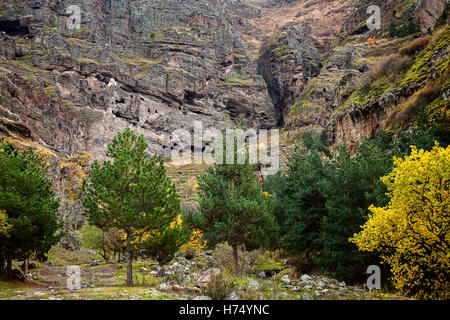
<point>158,66</point>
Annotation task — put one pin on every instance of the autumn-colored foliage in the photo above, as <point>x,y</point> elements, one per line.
<point>412,233</point>
<point>196,242</point>
<point>4,225</point>
<point>74,169</point>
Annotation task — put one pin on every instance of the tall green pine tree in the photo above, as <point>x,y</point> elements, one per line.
<point>30,206</point>
<point>133,194</point>
<point>233,208</point>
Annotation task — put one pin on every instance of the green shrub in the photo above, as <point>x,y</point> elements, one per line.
<point>267,262</point>
<point>220,286</point>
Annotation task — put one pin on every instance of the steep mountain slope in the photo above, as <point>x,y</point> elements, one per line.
<point>352,58</point>
<point>396,14</point>
<point>155,65</point>
<point>397,94</point>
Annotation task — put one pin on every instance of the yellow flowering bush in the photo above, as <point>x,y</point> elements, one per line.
<point>4,225</point>
<point>412,232</point>
<point>196,242</point>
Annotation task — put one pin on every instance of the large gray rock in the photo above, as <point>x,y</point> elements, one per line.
<point>233,296</point>
<point>206,277</point>
<point>262,275</point>
<point>155,66</point>
<point>288,61</point>
<point>253,284</point>
<point>306,278</point>
<point>163,287</point>
<point>307,296</point>
<point>286,279</point>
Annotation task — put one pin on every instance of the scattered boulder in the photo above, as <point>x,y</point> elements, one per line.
<point>285,279</point>
<point>163,287</point>
<point>31,265</point>
<point>253,285</point>
<point>206,277</point>
<point>295,289</point>
<point>307,296</point>
<point>233,296</point>
<point>155,267</point>
<point>166,271</point>
<point>95,263</point>
<point>306,278</point>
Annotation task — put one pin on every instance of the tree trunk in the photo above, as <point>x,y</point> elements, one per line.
<point>9,273</point>
<point>130,261</point>
<point>2,267</point>
<point>235,258</point>
<point>25,265</point>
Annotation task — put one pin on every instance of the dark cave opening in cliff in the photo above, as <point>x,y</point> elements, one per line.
<point>14,28</point>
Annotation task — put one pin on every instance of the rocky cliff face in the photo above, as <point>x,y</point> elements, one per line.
<point>396,12</point>
<point>325,101</point>
<point>427,13</point>
<point>387,104</point>
<point>154,65</point>
<point>287,62</point>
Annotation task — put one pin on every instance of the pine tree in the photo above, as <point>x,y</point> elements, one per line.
<point>132,193</point>
<point>233,208</point>
<point>300,204</point>
<point>392,30</point>
<point>346,208</point>
<point>30,207</point>
<point>164,246</point>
